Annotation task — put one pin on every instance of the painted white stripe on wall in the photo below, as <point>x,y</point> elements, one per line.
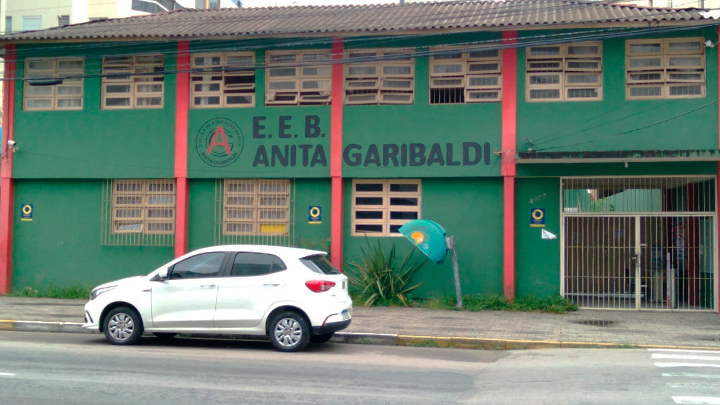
<point>696,400</point>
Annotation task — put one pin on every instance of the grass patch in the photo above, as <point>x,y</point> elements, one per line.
<point>53,291</point>
<point>554,304</point>
<point>427,343</point>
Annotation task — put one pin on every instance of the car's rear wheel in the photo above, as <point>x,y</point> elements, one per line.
<point>321,338</point>
<point>289,332</point>
<point>123,326</point>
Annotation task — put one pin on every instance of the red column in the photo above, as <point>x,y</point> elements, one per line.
<point>6,183</point>
<point>717,198</point>
<point>336,143</point>
<point>508,166</point>
<point>182,100</point>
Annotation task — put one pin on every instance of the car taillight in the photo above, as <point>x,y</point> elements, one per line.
<point>319,285</point>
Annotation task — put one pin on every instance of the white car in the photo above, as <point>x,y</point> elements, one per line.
<point>293,296</point>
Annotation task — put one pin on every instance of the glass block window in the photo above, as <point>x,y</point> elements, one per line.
<point>133,81</point>
<point>665,68</point>
<point>465,77</point>
<point>222,80</point>
<point>379,77</point>
<point>381,207</point>
<point>53,84</point>
<point>298,78</point>
<point>564,72</point>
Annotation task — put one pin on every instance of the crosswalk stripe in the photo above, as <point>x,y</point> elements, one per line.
<point>685,351</point>
<point>691,375</point>
<point>684,357</point>
<point>697,400</point>
<point>687,365</point>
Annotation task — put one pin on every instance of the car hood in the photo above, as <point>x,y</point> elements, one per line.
<point>121,282</point>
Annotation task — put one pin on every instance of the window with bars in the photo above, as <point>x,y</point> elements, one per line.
<point>298,77</point>
<point>665,68</point>
<point>381,207</point>
<point>143,206</point>
<point>133,81</point>
<point>223,80</point>
<point>379,77</point>
<point>256,207</point>
<point>53,84</point>
<point>566,72</point>
<point>465,77</point>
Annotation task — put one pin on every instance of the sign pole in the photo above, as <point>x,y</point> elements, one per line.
<point>450,240</point>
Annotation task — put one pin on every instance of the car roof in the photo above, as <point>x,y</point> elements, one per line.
<point>282,251</point>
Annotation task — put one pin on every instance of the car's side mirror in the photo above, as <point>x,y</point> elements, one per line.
<point>162,274</point>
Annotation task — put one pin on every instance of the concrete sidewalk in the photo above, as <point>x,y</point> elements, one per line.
<point>417,326</point>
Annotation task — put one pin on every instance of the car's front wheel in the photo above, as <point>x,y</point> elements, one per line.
<point>123,326</point>
<point>289,332</point>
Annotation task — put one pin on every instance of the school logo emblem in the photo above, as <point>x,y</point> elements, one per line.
<point>219,142</point>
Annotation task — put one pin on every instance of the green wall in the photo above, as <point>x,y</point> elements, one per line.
<point>469,209</point>
<point>61,245</point>
<point>615,123</point>
<point>95,143</point>
<point>308,192</point>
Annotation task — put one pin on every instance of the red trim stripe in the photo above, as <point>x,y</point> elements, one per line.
<point>7,187</point>
<point>336,143</point>
<point>508,166</point>
<point>182,101</point>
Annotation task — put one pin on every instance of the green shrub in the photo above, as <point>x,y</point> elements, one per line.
<point>553,304</point>
<point>380,279</point>
<point>52,291</point>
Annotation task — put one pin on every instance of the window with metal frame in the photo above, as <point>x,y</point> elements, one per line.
<point>465,77</point>
<point>256,207</point>
<point>133,81</point>
<point>564,72</point>
<point>144,206</point>
<point>298,77</point>
<point>379,77</point>
<point>665,68</point>
<point>53,84</point>
<point>222,80</point>
<point>381,207</point>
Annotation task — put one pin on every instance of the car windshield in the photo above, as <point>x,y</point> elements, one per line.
<point>319,264</point>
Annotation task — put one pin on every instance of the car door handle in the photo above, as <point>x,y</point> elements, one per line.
<point>207,285</point>
<point>271,285</point>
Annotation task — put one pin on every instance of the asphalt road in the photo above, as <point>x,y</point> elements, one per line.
<point>41,368</point>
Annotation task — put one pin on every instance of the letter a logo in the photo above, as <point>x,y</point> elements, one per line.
<point>217,141</point>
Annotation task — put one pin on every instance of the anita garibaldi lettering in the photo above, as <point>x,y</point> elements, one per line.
<point>417,154</point>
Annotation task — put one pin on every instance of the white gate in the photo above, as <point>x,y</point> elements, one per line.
<point>640,243</point>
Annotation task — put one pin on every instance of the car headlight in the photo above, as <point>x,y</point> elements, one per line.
<point>96,292</point>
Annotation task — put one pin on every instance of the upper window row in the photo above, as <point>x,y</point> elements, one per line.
<point>658,68</point>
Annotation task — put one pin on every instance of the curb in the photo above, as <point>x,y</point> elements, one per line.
<point>381,339</point>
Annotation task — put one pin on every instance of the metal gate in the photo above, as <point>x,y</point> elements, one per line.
<point>640,243</point>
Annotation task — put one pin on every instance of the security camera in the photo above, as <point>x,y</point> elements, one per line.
<point>11,143</point>
<point>709,44</point>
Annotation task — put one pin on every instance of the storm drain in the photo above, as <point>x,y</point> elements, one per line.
<point>594,322</point>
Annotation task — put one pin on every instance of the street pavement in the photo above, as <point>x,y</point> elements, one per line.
<point>78,369</point>
<point>418,326</point>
